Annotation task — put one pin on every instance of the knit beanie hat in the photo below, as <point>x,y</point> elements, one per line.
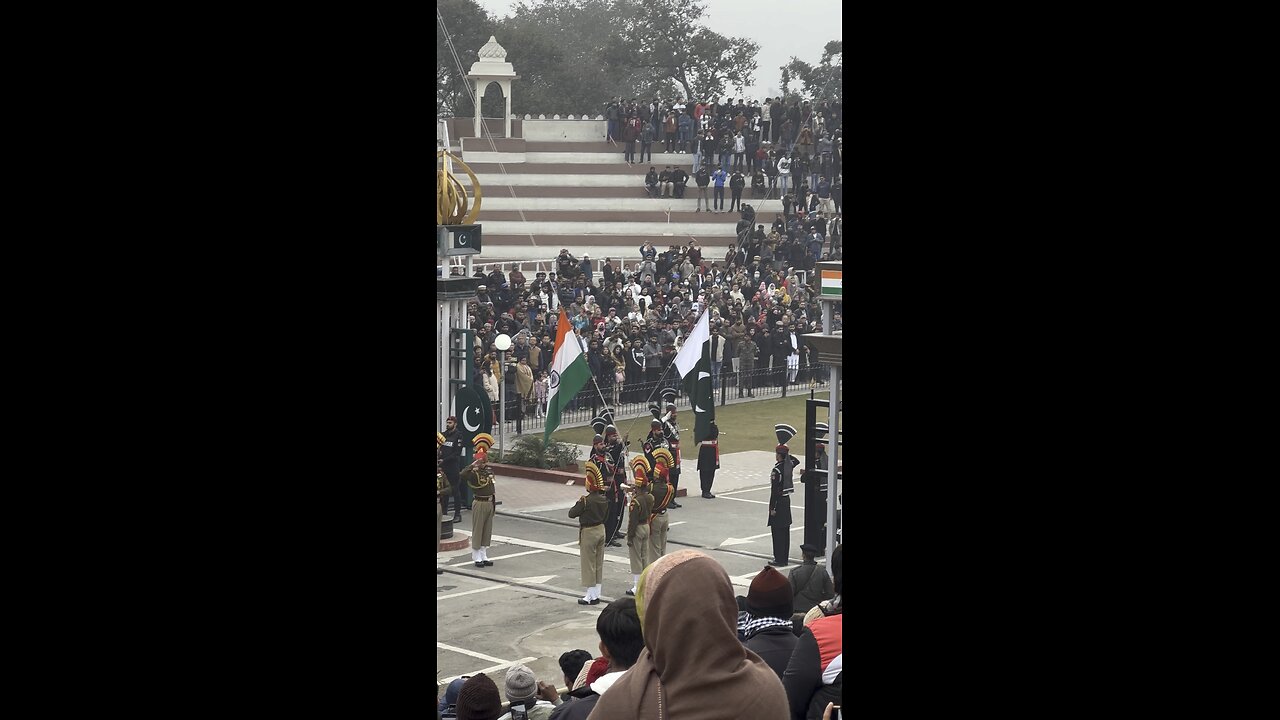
<point>521,683</point>
<point>479,699</point>
<point>770,591</point>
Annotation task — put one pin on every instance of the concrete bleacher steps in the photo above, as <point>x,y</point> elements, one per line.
<point>583,194</point>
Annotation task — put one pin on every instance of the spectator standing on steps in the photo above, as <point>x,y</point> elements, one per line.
<point>784,172</point>
<point>646,143</point>
<point>719,177</point>
<point>736,183</point>
<point>684,126</point>
<point>703,178</point>
<point>669,130</point>
<point>739,150</point>
<point>629,136</point>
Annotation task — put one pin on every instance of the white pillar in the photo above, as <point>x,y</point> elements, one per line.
<point>507,115</point>
<point>479,97</point>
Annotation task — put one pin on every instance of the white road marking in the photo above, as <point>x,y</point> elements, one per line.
<point>678,522</point>
<point>470,592</point>
<point>745,540</point>
<point>554,548</point>
<point>758,502</point>
<point>486,671</point>
<point>472,653</point>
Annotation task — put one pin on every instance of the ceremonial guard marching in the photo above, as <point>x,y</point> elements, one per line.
<point>709,460</point>
<point>639,510</point>
<point>591,510</point>
<point>480,479</point>
<point>663,492</point>
<point>780,489</point>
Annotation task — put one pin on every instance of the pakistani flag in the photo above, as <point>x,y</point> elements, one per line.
<point>694,365</point>
<point>569,372</point>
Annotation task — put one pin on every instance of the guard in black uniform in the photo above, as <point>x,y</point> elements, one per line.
<point>709,460</point>
<point>655,439</point>
<point>451,461</point>
<point>780,489</point>
<point>671,432</point>
<point>616,448</point>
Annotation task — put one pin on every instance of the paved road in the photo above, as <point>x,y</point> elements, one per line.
<point>524,608</point>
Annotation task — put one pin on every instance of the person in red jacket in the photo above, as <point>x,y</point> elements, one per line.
<point>815,674</point>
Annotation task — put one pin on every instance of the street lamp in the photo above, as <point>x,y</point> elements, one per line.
<point>503,343</point>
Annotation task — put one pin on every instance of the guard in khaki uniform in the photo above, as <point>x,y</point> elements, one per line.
<point>591,510</point>
<point>443,490</point>
<point>662,494</point>
<point>479,478</point>
<point>638,512</point>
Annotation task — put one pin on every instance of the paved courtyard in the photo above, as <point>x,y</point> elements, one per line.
<point>524,608</point>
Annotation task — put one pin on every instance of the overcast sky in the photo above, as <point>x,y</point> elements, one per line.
<point>783,28</point>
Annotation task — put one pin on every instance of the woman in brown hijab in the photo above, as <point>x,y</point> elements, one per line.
<point>693,666</point>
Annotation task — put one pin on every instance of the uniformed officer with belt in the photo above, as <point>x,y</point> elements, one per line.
<point>591,510</point>
<point>663,493</point>
<point>451,454</point>
<point>639,511</point>
<point>780,490</point>
<point>480,479</point>
<point>671,432</point>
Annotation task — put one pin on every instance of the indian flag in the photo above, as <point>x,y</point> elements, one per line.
<point>831,283</point>
<point>569,372</point>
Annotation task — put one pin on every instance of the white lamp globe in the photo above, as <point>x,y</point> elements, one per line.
<point>502,342</point>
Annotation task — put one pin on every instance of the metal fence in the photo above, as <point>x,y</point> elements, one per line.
<point>632,400</point>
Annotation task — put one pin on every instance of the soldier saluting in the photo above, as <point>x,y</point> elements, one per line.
<point>780,488</point>
<point>479,478</point>
<point>591,510</point>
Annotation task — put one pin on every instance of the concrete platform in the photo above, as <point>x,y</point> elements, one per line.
<point>654,230</point>
<point>634,202</point>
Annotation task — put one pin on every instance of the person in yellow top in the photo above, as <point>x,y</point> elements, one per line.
<point>638,512</point>
<point>591,510</point>
<point>479,478</point>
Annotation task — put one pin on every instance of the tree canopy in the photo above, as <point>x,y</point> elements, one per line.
<point>469,28</point>
<point>573,56</point>
<point>823,80</point>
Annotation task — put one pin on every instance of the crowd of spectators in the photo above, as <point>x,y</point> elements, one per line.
<point>631,318</point>
<point>685,647</point>
<point>794,148</point>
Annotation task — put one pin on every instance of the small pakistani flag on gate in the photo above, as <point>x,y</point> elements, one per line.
<point>694,365</point>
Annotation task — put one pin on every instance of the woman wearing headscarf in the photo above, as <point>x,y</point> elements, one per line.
<point>693,667</point>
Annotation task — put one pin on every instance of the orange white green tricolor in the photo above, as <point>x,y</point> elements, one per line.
<point>569,372</point>
<point>831,283</point>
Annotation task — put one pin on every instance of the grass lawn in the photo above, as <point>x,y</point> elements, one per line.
<point>745,426</point>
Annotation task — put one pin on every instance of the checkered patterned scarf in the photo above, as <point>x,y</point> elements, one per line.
<point>748,626</point>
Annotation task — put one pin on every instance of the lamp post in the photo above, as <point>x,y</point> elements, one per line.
<point>503,343</point>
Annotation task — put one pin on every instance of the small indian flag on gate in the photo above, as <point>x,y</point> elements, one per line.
<point>831,283</point>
